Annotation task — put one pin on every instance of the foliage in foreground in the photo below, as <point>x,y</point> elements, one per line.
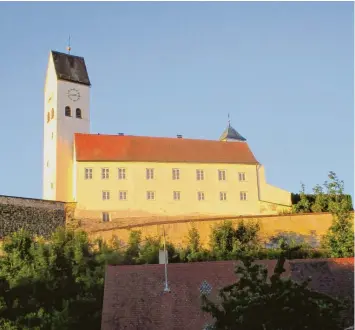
<point>330,197</point>
<point>55,285</point>
<point>340,237</point>
<point>254,303</point>
<point>322,198</point>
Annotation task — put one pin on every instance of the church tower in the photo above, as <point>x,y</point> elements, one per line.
<point>66,112</point>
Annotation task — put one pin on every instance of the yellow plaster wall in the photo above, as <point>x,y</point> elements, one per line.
<point>91,205</point>
<point>314,224</point>
<point>270,193</point>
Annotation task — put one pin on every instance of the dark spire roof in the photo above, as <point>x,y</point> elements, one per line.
<point>70,68</point>
<point>231,134</point>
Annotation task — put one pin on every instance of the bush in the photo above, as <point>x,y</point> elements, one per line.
<point>340,236</point>
<point>132,252</point>
<point>229,243</point>
<point>322,198</point>
<point>51,285</point>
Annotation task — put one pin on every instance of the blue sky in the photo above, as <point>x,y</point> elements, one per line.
<point>284,72</point>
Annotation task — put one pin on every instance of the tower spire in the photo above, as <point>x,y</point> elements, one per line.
<point>68,47</point>
<point>229,120</point>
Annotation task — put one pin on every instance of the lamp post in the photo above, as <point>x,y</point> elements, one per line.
<point>166,286</point>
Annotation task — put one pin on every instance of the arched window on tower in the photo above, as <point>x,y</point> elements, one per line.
<point>52,113</point>
<point>78,113</point>
<point>67,111</point>
<point>48,117</point>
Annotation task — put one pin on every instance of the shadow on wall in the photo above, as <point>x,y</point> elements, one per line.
<point>312,240</point>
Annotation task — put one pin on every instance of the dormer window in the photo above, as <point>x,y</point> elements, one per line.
<point>67,111</point>
<point>78,113</point>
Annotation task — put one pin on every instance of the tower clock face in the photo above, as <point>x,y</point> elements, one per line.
<point>73,94</point>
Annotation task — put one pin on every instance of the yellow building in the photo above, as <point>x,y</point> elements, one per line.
<point>118,176</point>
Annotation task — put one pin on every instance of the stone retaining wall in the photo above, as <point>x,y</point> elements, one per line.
<point>40,217</point>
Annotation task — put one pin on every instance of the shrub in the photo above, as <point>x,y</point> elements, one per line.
<point>51,285</point>
<point>340,236</point>
<point>229,243</point>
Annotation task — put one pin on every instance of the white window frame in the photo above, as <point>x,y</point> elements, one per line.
<point>222,196</point>
<point>200,175</point>
<point>106,217</point>
<point>243,196</point>
<point>122,195</point>
<point>200,196</point>
<point>149,173</point>
<point>241,176</point>
<point>150,195</point>
<point>176,174</point>
<point>121,173</point>
<point>105,173</point>
<point>106,195</point>
<point>222,175</point>
<point>176,195</point>
<point>88,173</point>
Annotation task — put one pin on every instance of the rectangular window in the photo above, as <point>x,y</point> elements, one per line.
<point>243,195</point>
<point>176,174</point>
<point>200,175</point>
<point>105,195</point>
<point>122,195</point>
<point>105,173</point>
<point>221,175</point>
<point>176,195</point>
<point>241,176</point>
<point>150,195</point>
<point>149,173</point>
<point>88,173</point>
<point>121,174</point>
<point>201,196</point>
<point>52,185</point>
<point>223,196</point>
<point>105,216</point>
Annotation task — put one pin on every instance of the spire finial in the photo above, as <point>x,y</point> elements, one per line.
<point>68,47</point>
<point>229,120</point>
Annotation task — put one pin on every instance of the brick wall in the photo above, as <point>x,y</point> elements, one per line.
<point>40,217</point>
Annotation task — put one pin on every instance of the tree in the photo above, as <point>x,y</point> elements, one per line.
<point>149,251</point>
<point>51,285</point>
<point>132,251</point>
<point>254,303</point>
<point>304,205</point>
<point>340,236</point>
<point>228,242</point>
<point>194,251</point>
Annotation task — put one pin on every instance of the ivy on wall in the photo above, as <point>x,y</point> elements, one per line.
<point>38,221</point>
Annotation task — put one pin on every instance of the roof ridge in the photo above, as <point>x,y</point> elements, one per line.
<point>149,137</point>
<point>61,53</point>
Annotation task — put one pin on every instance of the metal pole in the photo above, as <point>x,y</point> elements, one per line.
<point>166,289</point>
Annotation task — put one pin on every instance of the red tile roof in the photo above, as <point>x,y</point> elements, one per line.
<point>134,296</point>
<point>94,147</point>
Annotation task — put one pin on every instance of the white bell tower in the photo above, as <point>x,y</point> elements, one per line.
<point>66,111</point>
